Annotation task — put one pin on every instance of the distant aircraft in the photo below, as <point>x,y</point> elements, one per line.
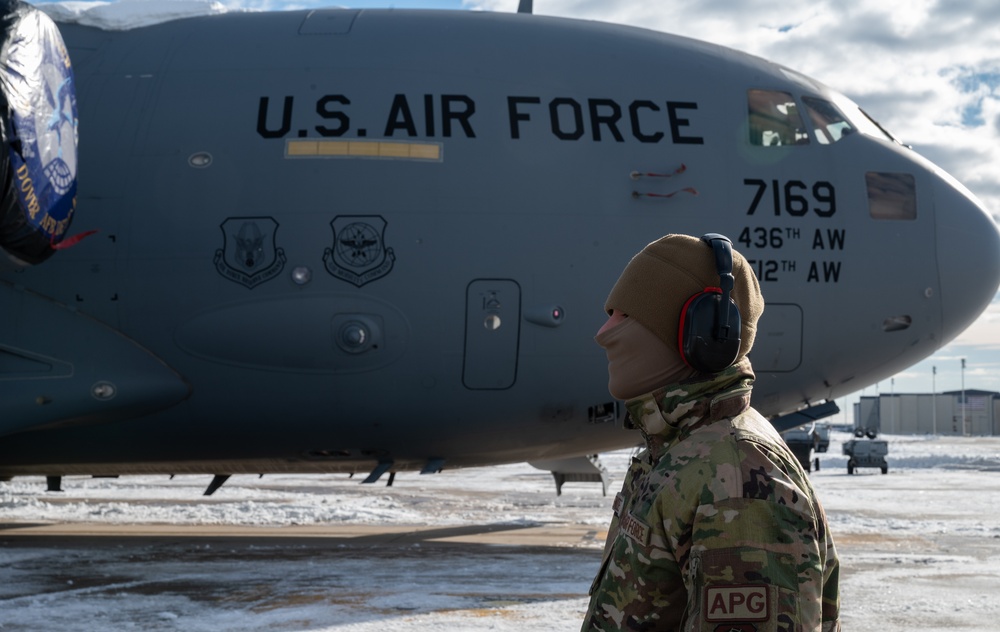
<point>380,241</point>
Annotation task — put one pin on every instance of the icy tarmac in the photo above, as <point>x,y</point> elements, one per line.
<point>483,549</point>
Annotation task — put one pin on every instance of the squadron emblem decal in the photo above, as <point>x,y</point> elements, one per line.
<point>249,255</point>
<point>358,254</point>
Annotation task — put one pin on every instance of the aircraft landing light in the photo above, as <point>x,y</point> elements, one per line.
<point>377,149</point>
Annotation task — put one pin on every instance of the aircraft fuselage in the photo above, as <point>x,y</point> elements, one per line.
<point>341,237</point>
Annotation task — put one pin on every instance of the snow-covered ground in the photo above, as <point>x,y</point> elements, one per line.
<point>920,547</point>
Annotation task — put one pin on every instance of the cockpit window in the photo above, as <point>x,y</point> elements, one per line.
<point>774,119</point>
<point>829,124</point>
<point>860,119</point>
<point>878,126</point>
<point>891,195</point>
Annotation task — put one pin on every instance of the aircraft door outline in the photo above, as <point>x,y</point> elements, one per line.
<point>492,334</point>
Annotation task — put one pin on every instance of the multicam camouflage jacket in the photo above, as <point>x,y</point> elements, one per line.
<point>717,527</point>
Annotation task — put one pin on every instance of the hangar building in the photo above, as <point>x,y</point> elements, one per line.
<point>959,413</point>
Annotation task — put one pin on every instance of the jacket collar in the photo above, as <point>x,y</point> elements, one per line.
<point>672,412</point>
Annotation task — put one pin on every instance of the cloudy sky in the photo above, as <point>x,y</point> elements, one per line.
<point>928,70</point>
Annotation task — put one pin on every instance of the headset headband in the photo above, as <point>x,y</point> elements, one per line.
<point>722,247</point>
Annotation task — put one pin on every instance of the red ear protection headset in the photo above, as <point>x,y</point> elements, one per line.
<point>710,327</point>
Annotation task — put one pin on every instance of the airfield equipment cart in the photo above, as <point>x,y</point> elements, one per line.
<point>866,453</point>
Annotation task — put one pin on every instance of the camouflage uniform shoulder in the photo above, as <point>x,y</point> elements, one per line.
<point>753,426</point>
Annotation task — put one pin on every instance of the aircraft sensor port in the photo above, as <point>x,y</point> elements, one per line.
<point>897,323</point>
<point>545,315</point>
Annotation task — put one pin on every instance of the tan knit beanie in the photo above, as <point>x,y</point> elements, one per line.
<point>660,279</point>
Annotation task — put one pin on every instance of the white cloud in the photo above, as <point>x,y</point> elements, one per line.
<point>985,332</point>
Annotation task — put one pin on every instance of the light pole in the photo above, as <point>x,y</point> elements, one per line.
<point>934,400</point>
<point>892,403</point>
<point>964,430</point>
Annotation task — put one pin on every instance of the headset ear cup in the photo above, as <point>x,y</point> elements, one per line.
<point>699,347</point>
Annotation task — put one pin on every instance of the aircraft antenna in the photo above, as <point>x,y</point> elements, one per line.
<point>524,6</point>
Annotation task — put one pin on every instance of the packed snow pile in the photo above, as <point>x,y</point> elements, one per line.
<point>511,494</point>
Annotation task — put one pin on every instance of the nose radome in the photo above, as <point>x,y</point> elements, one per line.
<point>968,253</point>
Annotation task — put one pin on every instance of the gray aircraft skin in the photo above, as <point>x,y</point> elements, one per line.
<point>357,240</point>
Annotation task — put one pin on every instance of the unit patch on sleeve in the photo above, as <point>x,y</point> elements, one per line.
<point>736,603</point>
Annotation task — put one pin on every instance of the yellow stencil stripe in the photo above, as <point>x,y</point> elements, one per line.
<point>377,149</point>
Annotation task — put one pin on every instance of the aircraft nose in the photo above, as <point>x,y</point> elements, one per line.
<point>968,250</point>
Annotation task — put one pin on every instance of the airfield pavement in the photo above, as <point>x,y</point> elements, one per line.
<point>480,549</point>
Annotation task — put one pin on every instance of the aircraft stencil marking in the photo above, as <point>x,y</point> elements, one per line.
<point>367,149</point>
<point>249,255</point>
<point>794,202</point>
<point>451,115</point>
<point>359,255</point>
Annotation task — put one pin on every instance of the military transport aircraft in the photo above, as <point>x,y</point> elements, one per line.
<point>380,240</point>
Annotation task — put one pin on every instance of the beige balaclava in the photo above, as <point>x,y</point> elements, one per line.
<point>652,291</point>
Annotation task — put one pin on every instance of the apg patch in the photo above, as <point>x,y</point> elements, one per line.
<point>737,603</point>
